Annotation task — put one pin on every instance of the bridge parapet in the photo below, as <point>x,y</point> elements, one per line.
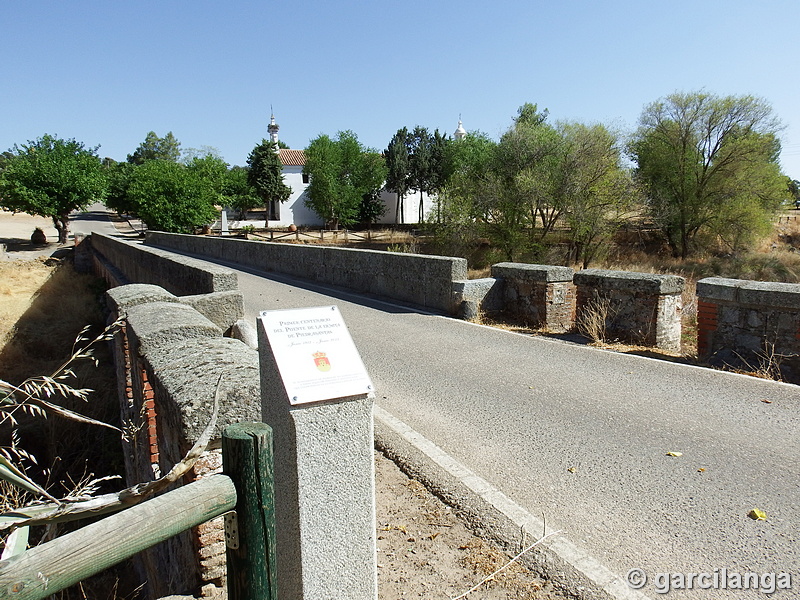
<point>637,308</point>
<point>750,325</point>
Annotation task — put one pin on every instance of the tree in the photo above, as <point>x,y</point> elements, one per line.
<point>52,177</point>
<point>238,192</point>
<point>119,178</point>
<point>709,164</point>
<point>794,190</point>
<point>342,173</point>
<point>420,167</point>
<point>397,165</point>
<point>471,186</point>
<point>265,175</point>
<point>155,148</point>
<point>170,197</point>
<point>529,160</point>
<point>212,169</point>
<point>598,191</point>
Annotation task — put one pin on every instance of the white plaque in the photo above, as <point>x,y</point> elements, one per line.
<point>315,354</point>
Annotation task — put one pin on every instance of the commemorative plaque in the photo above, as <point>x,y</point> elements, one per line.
<point>315,355</point>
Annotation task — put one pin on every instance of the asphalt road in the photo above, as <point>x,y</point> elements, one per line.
<point>581,435</point>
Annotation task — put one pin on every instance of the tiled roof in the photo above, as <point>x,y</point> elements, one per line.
<point>292,158</point>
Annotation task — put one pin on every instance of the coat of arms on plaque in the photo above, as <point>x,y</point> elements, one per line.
<point>322,362</point>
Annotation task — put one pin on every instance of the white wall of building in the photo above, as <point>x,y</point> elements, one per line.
<point>294,211</point>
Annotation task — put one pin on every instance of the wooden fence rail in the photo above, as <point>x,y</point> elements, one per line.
<point>46,569</point>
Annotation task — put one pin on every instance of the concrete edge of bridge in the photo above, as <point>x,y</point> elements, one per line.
<point>493,515</point>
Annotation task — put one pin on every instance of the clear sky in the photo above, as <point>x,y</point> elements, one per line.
<point>108,72</point>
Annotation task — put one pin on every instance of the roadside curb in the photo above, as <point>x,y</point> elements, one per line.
<point>492,514</point>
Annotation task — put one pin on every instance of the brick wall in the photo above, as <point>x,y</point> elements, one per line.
<point>169,359</point>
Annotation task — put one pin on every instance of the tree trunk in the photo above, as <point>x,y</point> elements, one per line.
<point>61,223</point>
<point>421,209</point>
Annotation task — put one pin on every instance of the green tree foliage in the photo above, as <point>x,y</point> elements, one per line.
<point>794,191</point>
<point>398,168</point>
<point>171,197</point>
<point>119,176</point>
<point>471,186</point>
<point>709,167</point>
<point>265,175</point>
<point>343,175</point>
<point>155,148</point>
<point>238,192</point>
<point>214,170</point>
<point>420,164</point>
<point>538,175</point>
<point>416,161</point>
<point>598,191</point>
<point>52,177</point>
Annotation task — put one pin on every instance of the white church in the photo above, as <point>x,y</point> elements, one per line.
<point>295,212</point>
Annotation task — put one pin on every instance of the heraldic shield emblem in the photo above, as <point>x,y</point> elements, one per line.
<point>322,362</point>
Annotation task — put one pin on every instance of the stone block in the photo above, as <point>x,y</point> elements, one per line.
<point>221,308</point>
<point>121,298</point>
<point>324,490</point>
<point>526,272</point>
<point>634,283</point>
<point>160,324</point>
<point>471,296</point>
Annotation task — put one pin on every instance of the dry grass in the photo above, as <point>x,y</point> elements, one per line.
<point>20,280</point>
<point>45,304</point>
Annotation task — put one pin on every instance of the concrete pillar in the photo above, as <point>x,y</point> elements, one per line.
<point>324,485</point>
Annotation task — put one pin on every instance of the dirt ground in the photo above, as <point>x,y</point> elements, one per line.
<point>426,551</point>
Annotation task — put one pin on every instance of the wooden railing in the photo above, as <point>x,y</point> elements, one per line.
<point>246,487</point>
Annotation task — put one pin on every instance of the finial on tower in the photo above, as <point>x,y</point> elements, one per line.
<point>273,128</point>
<point>460,132</point>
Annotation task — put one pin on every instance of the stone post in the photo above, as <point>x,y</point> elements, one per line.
<point>324,482</point>
<point>639,308</point>
<point>750,325</point>
<point>540,294</point>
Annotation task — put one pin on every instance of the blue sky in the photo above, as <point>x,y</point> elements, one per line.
<point>106,73</point>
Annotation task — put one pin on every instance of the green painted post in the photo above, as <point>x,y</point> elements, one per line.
<point>247,459</point>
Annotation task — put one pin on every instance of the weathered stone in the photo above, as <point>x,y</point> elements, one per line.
<point>221,308</point>
<point>476,295</point>
<point>177,274</point>
<point>758,325</point>
<point>418,279</point>
<point>639,308</point>
<point>244,331</point>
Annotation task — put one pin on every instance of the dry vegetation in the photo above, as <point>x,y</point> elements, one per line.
<point>45,304</point>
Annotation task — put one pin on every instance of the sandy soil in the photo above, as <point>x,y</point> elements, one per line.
<point>426,551</point>
<point>15,236</point>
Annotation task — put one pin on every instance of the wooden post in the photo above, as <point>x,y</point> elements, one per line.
<point>46,569</point>
<point>247,459</point>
